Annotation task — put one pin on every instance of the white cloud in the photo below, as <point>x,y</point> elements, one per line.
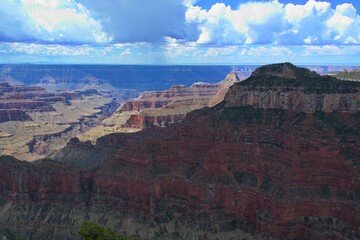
<point>177,48</point>
<point>221,51</point>
<point>48,21</point>
<point>124,21</point>
<point>214,24</point>
<point>331,50</point>
<point>189,3</point>
<point>346,24</point>
<point>314,22</point>
<point>126,52</point>
<point>49,50</point>
<point>262,51</point>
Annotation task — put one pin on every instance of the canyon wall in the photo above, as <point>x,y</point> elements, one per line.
<point>232,171</point>
<point>34,123</point>
<point>161,108</point>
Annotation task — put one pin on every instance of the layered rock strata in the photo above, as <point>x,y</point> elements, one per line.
<point>233,171</point>
<point>162,108</point>
<point>35,123</point>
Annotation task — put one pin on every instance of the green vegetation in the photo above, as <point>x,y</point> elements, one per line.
<point>349,153</point>
<point>324,192</point>
<point>244,114</point>
<point>266,184</point>
<point>353,195</point>
<point>297,119</point>
<point>356,192</point>
<point>93,231</point>
<point>356,128</point>
<point>246,178</point>
<point>332,120</point>
<point>279,115</point>
<point>341,194</point>
<point>289,76</point>
<point>349,75</point>
<point>278,191</point>
<point>350,196</point>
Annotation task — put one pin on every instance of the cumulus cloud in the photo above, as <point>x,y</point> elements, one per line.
<point>314,22</point>
<point>53,21</point>
<point>124,21</point>
<point>178,30</point>
<point>175,48</point>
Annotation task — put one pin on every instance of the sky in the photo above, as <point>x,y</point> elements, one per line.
<point>180,31</point>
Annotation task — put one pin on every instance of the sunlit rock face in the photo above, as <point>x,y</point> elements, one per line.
<point>34,123</point>
<point>284,86</point>
<point>162,108</point>
<point>232,171</point>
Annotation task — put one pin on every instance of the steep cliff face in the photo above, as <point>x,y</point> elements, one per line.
<point>34,122</point>
<point>162,108</point>
<point>286,87</point>
<point>196,92</point>
<point>7,115</point>
<point>226,172</point>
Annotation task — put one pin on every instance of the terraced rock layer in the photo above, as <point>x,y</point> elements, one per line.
<point>35,123</point>
<point>162,108</point>
<point>233,171</point>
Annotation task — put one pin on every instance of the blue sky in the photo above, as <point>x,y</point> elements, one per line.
<point>180,31</point>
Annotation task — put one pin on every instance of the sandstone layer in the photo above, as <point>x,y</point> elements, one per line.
<point>295,89</point>
<point>162,108</point>
<point>232,171</point>
<point>34,123</point>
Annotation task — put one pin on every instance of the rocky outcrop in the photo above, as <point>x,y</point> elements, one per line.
<point>230,80</point>
<point>13,115</point>
<point>348,75</point>
<point>102,77</point>
<point>31,98</point>
<point>161,108</point>
<point>226,172</point>
<point>159,99</point>
<point>35,123</point>
<point>286,87</point>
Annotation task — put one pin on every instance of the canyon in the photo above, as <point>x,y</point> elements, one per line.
<point>278,158</point>
<point>161,108</point>
<point>35,123</point>
<point>139,77</point>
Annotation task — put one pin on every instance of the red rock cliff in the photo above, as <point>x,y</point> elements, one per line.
<point>162,108</point>
<point>227,172</point>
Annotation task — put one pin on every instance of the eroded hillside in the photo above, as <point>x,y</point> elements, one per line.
<point>243,169</point>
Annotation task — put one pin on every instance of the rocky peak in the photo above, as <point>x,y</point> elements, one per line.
<point>230,79</point>
<point>285,86</point>
<point>283,70</point>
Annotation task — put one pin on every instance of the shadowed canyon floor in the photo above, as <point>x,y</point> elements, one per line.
<point>277,159</point>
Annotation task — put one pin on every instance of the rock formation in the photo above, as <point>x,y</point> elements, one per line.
<point>296,89</point>
<point>34,122</point>
<point>348,75</point>
<point>102,77</point>
<point>232,171</point>
<point>162,108</point>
